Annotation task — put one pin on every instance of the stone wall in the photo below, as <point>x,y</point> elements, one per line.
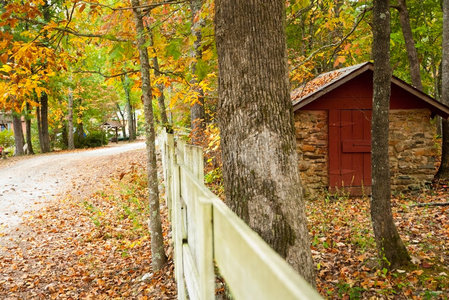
<point>312,147</point>
<point>414,150</point>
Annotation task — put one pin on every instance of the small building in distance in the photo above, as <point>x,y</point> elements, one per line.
<point>333,132</point>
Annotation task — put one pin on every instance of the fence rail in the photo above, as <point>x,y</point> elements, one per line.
<point>205,230</point>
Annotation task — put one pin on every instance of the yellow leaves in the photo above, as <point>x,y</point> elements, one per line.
<point>6,68</point>
<point>208,54</point>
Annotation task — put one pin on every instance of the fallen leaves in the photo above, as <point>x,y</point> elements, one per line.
<point>92,243</point>
<point>345,253</point>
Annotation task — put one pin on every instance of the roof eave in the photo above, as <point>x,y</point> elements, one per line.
<point>438,107</point>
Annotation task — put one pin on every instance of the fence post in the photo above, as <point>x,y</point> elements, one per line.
<point>177,224</point>
<point>169,147</point>
<point>203,212</point>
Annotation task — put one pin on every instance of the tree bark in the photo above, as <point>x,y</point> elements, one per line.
<point>70,137</point>
<point>260,165</point>
<point>18,134</point>
<point>158,257</point>
<point>39,125</point>
<point>410,45</point>
<point>45,143</point>
<point>197,109</point>
<point>123,121</point>
<point>391,250</point>
<point>443,171</point>
<point>28,129</point>
<point>161,98</point>
<point>131,132</point>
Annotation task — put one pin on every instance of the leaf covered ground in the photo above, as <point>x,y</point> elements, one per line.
<point>344,250</point>
<point>91,243</point>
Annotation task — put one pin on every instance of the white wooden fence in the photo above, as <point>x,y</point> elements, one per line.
<point>205,230</point>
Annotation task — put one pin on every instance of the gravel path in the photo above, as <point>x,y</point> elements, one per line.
<point>28,184</point>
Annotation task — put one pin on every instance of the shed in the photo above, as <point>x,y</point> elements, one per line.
<point>333,132</point>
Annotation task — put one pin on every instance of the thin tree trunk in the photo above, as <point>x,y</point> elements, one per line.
<point>410,45</point>
<point>161,98</point>
<point>45,145</point>
<point>197,109</point>
<point>28,129</point>
<point>134,121</point>
<point>158,257</point>
<point>391,249</point>
<point>443,171</point>
<point>123,120</point>
<point>70,137</point>
<point>18,134</point>
<point>260,164</point>
<point>39,125</point>
<point>125,83</point>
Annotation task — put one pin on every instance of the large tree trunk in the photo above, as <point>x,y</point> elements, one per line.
<point>70,137</point>
<point>197,109</point>
<point>18,134</point>
<point>45,142</point>
<point>28,129</point>
<point>443,171</point>
<point>392,252</point>
<point>158,257</point>
<point>410,45</point>
<point>260,165</point>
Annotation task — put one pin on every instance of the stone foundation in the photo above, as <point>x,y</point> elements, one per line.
<point>312,146</point>
<point>414,150</point>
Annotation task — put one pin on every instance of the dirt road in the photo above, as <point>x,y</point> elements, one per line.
<point>30,183</point>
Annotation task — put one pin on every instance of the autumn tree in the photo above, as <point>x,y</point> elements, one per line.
<point>412,53</point>
<point>443,171</point>
<point>260,170</point>
<point>391,249</point>
<point>158,257</point>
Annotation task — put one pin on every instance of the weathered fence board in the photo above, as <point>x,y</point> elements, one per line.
<point>205,230</point>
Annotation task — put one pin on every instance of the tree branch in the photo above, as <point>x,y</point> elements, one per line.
<point>336,44</point>
<point>69,30</point>
<point>143,7</point>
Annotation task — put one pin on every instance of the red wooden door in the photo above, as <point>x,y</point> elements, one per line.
<point>349,148</point>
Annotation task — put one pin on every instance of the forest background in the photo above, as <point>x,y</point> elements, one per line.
<point>75,64</point>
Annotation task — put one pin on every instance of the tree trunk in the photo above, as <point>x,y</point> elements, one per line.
<point>39,125</point>
<point>260,165</point>
<point>131,132</point>
<point>158,257</point>
<point>391,249</point>
<point>443,171</point>
<point>197,109</point>
<point>28,129</point>
<point>18,134</point>
<point>410,45</point>
<point>161,98</point>
<point>70,137</point>
<point>123,120</point>
<point>45,143</point>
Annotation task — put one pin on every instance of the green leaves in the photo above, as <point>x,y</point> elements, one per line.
<point>174,48</point>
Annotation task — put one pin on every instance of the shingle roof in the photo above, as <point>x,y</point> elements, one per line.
<point>323,81</point>
<point>326,82</point>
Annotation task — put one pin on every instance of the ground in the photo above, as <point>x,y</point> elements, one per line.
<point>90,239</point>
<point>345,254</point>
<point>85,233</point>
